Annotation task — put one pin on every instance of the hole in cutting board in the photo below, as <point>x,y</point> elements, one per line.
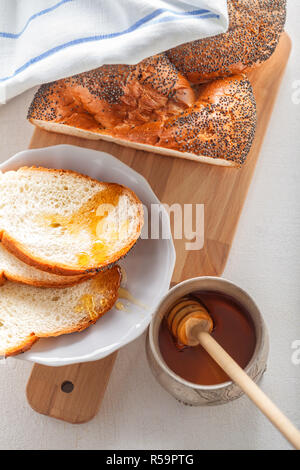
<point>67,386</point>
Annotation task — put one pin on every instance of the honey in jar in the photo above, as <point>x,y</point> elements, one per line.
<point>233,330</point>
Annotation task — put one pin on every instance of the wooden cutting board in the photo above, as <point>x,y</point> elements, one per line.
<point>222,191</point>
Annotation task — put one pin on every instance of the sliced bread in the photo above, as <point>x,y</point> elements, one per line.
<point>28,313</point>
<point>13,269</point>
<point>66,223</point>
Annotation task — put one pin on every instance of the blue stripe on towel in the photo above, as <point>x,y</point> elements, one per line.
<point>166,19</point>
<point>142,22</point>
<point>36,15</point>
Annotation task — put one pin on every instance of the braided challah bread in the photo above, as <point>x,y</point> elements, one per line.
<point>254,30</point>
<point>28,313</point>
<point>156,106</point>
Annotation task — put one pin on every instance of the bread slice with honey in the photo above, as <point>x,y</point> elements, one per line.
<point>66,223</point>
<point>255,27</point>
<point>13,269</point>
<point>28,313</point>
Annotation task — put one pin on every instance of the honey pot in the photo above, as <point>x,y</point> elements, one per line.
<point>189,373</point>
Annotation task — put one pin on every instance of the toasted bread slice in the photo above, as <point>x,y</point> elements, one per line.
<point>28,313</point>
<point>13,269</point>
<point>66,223</point>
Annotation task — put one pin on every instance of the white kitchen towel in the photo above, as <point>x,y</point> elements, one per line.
<point>44,40</point>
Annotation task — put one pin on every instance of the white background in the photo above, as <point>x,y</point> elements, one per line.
<point>136,412</point>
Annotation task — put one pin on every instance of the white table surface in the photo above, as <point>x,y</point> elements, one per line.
<point>136,412</point>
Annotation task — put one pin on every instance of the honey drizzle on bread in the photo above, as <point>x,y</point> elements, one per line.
<point>28,313</point>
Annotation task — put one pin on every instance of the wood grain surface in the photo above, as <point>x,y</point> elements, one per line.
<point>222,191</point>
<point>49,389</point>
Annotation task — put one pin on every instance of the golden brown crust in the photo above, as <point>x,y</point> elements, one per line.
<point>114,275</point>
<point>114,95</point>
<point>221,123</point>
<point>82,133</point>
<point>25,346</point>
<point>60,284</point>
<point>61,171</point>
<point>2,279</point>
<point>150,136</point>
<point>254,30</point>
<point>20,251</point>
<point>116,98</point>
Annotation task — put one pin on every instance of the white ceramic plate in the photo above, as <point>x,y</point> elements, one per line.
<point>149,265</point>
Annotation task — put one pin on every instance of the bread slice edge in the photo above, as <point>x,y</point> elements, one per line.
<point>83,133</point>
<point>32,338</point>
<point>20,251</point>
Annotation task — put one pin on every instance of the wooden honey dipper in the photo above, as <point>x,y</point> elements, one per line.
<point>191,325</point>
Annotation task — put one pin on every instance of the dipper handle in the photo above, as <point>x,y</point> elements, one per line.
<point>237,374</point>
